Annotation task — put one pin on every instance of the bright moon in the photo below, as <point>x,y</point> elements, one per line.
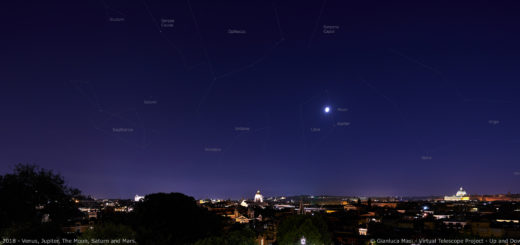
<point>327,109</point>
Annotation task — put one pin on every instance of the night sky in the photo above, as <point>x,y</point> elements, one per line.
<point>217,99</point>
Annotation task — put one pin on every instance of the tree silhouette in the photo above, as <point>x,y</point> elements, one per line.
<point>313,228</point>
<point>173,218</point>
<point>35,202</point>
<point>109,231</point>
<point>237,237</point>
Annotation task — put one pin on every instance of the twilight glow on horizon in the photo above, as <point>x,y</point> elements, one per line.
<point>289,97</point>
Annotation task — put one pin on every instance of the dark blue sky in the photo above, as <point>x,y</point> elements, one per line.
<point>120,105</point>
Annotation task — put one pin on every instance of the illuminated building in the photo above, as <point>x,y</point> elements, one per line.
<point>138,198</point>
<point>385,204</point>
<point>494,198</point>
<point>242,219</point>
<point>461,195</point>
<point>244,203</point>
<point>259,197</point>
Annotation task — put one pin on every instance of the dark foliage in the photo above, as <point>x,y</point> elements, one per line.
<point>313,228</point>
<point>108,231</point>
<point>235,237</point>
<point>28,196</point>
<point>173,218</point>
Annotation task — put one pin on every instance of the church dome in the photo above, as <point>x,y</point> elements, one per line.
<point>259,197</point>
<point>461,193</point>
